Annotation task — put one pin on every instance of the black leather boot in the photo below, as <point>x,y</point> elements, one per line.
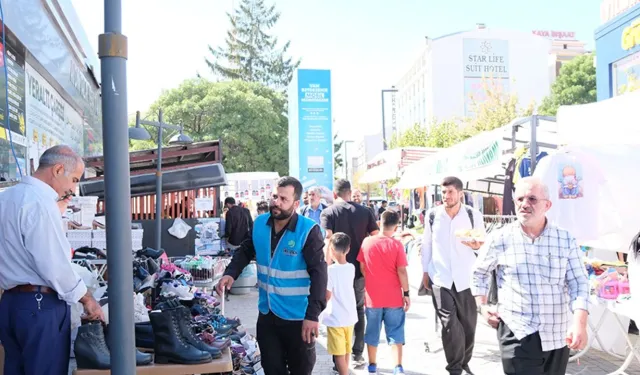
<point>184,318</point>
<point>91,348</point>
<point>144,335</point>
<point>169,345</point>
<point>151,253</point>
<point>142,359</point>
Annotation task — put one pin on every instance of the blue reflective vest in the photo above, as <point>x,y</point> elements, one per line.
<point>283,279</point>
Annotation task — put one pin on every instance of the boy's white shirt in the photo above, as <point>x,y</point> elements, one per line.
<point>341,308</point>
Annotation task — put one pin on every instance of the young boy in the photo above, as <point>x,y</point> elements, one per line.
<point>384,266</point>
<point>340,315</point>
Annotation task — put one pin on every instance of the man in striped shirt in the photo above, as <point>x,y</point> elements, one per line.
<point>536,263</point>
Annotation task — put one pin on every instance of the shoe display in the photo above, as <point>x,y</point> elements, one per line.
<point>144,335</point>
<point>142,359</point>
<point>169,344</point>
<point>150,253</point>
<point>90,347</point>
<point>176,289</point>
<point>140,312</point>
<point>184,316</point>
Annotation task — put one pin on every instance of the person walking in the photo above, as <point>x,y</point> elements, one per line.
<point>292,281</point>
<point>357,222</point>
<point>356,196</point>
<point>537,263</point>
<point>315,206</point>
<point>36,275</point>
<point>384,265</point>
<point>447,263</point>
<point>238,223</point>
<point>341,314</point>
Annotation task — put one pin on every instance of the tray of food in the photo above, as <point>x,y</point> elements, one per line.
<point>470,235</point>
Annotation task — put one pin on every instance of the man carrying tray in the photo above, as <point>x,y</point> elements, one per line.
<point>452,234</point>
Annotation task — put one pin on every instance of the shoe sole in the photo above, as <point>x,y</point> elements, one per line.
<point>162,360</point>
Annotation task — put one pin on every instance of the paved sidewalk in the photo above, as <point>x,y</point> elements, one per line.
<point>420,328</point>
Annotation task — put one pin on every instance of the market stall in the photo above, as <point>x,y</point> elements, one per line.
<point>592,184</point>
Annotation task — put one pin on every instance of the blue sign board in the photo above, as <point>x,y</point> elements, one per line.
<point>313,139</point>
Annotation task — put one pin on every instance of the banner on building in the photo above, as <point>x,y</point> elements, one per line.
<point>50,119</point>
<point>485,68</point>
<point>310,128</point>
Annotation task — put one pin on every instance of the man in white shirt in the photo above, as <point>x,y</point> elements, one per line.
<point>447,262</point>
<point>35,273</point>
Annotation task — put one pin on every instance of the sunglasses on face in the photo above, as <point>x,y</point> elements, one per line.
<point>532,200</point>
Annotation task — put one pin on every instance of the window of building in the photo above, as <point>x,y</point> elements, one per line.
<point>626,74</point>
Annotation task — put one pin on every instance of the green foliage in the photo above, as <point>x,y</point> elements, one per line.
<point>250,53</point>
<point>337,156</point>
<point>249,118</point>
<point>444,134</point>
<point>576,84</point>
<point>415,136</point>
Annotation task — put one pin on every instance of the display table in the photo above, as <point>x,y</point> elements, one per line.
<point>223,364</point>
<point>625,310</point>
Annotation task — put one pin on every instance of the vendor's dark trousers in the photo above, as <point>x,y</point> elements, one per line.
<point>36,340</point>
<point>525,357</point>
<point>282,349</point>
<point>458,314</point>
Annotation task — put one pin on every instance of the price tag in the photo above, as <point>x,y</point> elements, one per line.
<point>204,204</point>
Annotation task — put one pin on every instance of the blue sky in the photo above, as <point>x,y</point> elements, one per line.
<point>368,44</point>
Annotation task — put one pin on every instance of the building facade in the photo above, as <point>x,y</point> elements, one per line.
<point>366,149</point>
<point>448,77</point>
<point>53,86</point>
<point>618,47</point>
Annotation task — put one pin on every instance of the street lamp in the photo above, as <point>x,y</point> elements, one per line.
<point>141,134</point>
<point>384,129</point>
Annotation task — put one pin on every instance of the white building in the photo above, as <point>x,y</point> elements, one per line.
<point>452,69</point>
<point>366,149</point>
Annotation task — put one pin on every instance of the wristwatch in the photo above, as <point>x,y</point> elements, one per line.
<point>406,293</point>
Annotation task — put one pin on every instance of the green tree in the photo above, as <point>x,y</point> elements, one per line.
<point>250,52</point>
<point>249,118</point>
<point>576,84</point>
<point>415,136</point>
<point>337,156</point>
<point>444,134</point>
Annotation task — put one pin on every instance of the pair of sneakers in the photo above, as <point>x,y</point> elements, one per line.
<point>373,370</point>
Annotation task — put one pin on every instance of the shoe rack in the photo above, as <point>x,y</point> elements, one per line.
<point>223,364</point>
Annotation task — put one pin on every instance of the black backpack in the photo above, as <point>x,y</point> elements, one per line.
<point>432,216</point>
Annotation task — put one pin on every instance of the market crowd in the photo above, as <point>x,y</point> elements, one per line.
<point>335,262</point>
<point>340,262</point>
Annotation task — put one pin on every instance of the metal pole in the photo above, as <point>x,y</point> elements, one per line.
<point>534,142</point>
<point>346,162</point>
<point>113,61</point>
<point>384,130</point>
<point>159,200</point>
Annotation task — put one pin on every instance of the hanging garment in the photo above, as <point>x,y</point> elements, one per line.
<point>524,170</point>
<point>508,207</point>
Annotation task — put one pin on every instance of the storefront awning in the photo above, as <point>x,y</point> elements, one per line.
<point>176,180</point>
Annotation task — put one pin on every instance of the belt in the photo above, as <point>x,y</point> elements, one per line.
<point>31,289</point>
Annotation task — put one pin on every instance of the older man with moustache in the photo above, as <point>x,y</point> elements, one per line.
<point>35,273</point>
<point>537,263</point>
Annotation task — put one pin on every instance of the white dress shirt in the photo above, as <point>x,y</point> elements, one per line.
<point>33,247</point>
<point>444,256</point>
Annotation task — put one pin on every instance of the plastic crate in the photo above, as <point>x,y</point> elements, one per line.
<point>99,234</point>
<point>79,235</point>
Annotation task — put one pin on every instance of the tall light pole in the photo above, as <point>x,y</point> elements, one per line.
<point>384,128</point>
<point>141,134</point>
<point>113,52</point>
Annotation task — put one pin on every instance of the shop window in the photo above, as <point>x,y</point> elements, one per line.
<point>626,74</point>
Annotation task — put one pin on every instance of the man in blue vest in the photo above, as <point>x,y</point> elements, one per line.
<point>292,280</point>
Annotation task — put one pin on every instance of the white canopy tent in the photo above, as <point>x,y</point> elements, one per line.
<point>388,164</point>
<point>480,161</point>
<point>613,121</point>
